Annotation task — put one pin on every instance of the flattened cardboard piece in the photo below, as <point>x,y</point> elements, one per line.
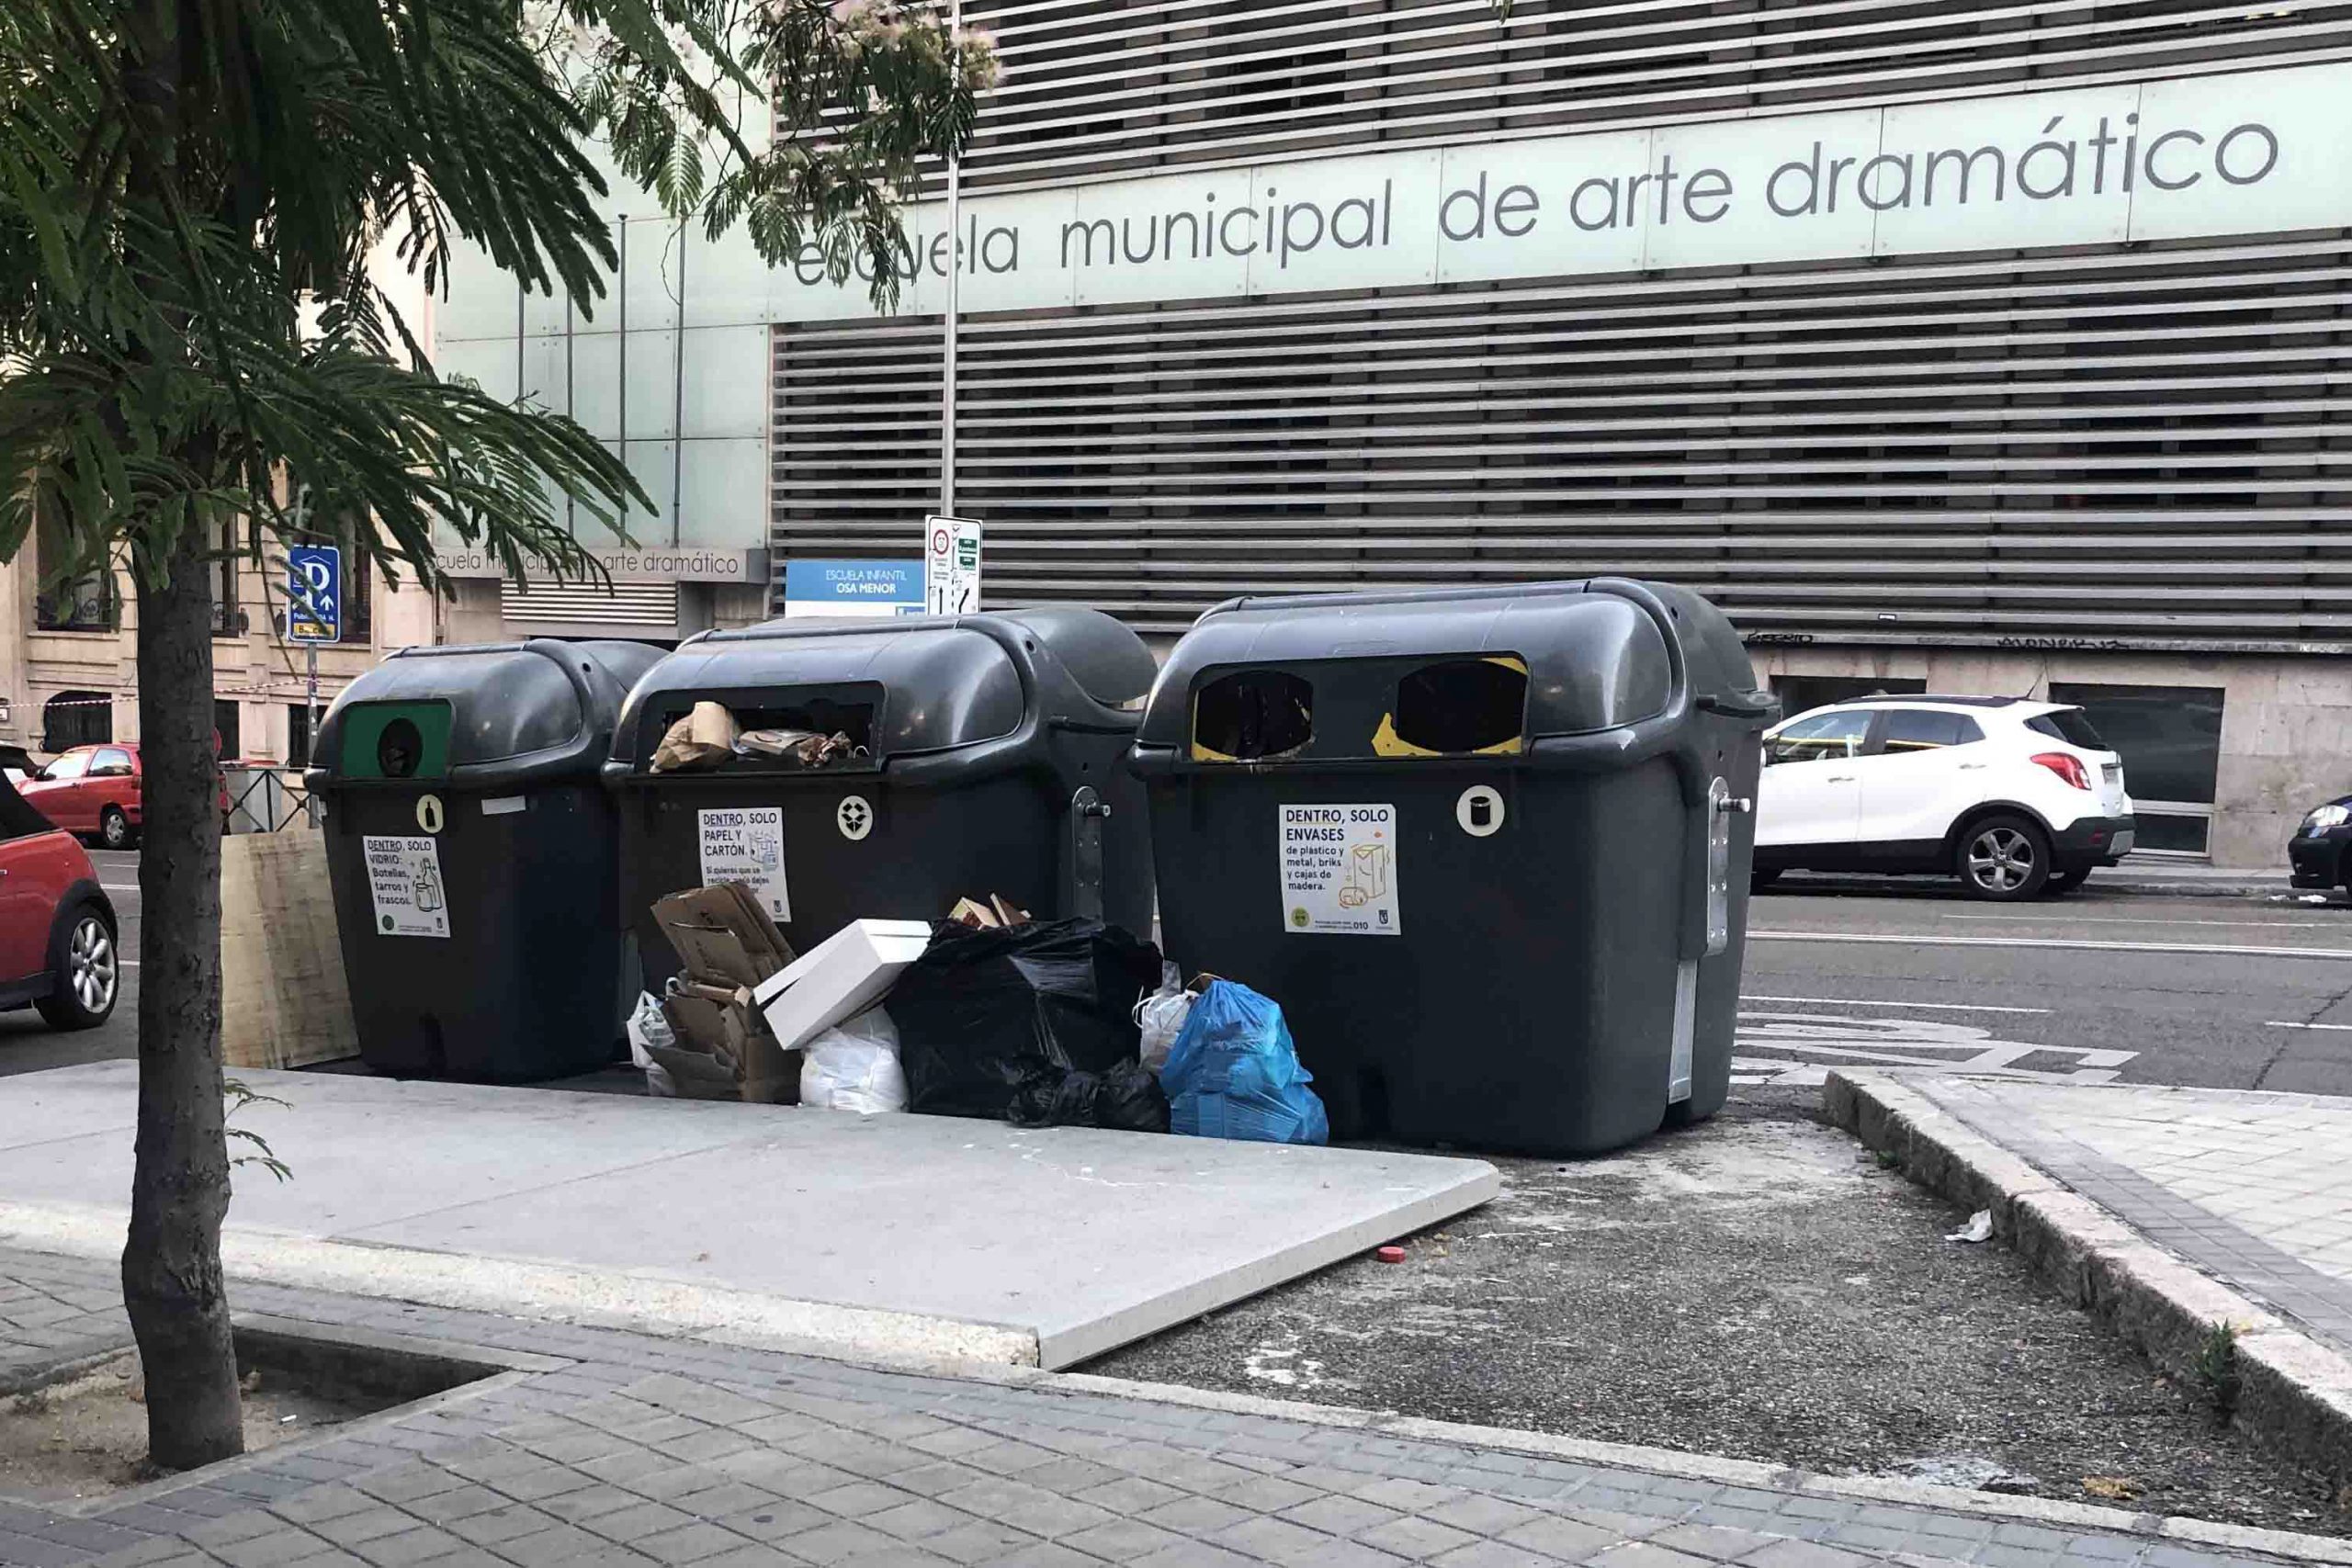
<point>721,933</point>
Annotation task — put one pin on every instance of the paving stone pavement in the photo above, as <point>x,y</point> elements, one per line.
<point>627,1449</point>
<point>2252,1188</point>
<point>52,1310</point>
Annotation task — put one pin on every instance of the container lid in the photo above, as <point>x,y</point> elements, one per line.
<point>478,706</point>
<point>1592,659</point>
<point>931,685</point>
<point>917,685</point>
<point>1106,659</point>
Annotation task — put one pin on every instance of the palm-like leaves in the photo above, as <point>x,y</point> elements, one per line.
<point>190,191</point>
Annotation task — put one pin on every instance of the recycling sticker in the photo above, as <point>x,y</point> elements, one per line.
<point>1340,870</point>
<point>745,844</point>
<point>404,881</point>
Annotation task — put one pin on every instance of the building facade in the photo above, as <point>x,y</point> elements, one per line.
<point>69,664</point>
<point>1973,345</point>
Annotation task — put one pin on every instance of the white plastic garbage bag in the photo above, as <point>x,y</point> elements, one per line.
<point>1160,1015</point>
<point>854,1067</point>
<point>647,1026</point>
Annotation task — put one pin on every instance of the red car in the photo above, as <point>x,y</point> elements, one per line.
<point>92,791</point>
<point>57,927</point>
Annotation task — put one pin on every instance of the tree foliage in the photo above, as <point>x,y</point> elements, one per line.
<point>192,334</point>
<point>191,193</point>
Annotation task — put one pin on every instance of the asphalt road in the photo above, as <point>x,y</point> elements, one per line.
<point>2228,992</point>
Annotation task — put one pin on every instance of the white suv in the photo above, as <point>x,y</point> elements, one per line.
<point>2014,797</point>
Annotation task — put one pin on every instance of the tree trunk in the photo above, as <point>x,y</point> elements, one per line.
<point>179,1193</point>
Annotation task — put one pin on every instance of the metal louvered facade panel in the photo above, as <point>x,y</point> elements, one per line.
<point>632,605</point>
<point>1092,86</point>
<point>2145,446</point>
<point>2154,446</point>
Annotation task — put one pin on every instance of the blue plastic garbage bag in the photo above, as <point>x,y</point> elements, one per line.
<point>1233,1073</point>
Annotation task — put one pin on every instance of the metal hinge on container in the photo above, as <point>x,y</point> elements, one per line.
<point>1088,812</point>
<point>1722,807</point>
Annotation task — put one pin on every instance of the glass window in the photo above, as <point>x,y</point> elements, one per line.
<point>2170,835</point>
<point>298,736</point>
<point>2169,737</point>
<point>112,764</point>
<point>227,720</point>
<point>69,766</point>
<point>1924,729</point>
<point>223,569</point>
<point>2070,726</point>
<point>357,625</point>
<point>18,820</point>
<point>76,718</point>
<point>1826,737</point>
<point>84,604</point>
<point>1800,694</point>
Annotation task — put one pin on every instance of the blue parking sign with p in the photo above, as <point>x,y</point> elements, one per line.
<point>314,593</point>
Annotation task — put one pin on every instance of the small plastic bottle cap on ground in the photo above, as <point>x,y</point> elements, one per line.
<point>1390,1255</point>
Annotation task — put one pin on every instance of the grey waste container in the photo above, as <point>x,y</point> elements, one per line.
<point>991,753</point>
<point>1489,849</point>
<point>471,848</point>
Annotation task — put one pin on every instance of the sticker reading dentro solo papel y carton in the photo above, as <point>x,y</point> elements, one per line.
<point>745,844</point>
<point>1340,870</point>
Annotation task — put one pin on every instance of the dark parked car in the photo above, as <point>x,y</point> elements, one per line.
<point>2316,853</point>
<point>58,949</point>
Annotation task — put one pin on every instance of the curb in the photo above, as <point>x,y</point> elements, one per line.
<point>1671,1463</point>
<point>2103,884</point>
<point>2295,1394</point>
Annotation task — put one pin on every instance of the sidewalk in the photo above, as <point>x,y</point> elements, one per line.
<point>2138,879</point>
<point>2167,1211</point>
<point>631,1449</point>
<point>2174,879</point>
<point>765,1224</point>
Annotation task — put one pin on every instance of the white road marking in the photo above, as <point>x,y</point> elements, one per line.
<point>1874,1002</point>
<point>2084,944</point>
<point>2148,921</point>
<point>119,886</point>
<point>1767,1040</point>
<point>2282,1023</point>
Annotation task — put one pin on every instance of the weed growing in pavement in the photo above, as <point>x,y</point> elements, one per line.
<point>240,1096</point>
<point>1888,1159</point>
<point>2217,1365</point>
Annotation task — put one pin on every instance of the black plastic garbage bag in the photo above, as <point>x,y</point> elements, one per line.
<point>1127,1098</point>
<point>991,1022</point>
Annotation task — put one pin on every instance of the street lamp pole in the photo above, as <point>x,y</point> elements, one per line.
<point>955,290</point>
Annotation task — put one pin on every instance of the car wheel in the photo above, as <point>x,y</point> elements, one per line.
<point>89,974</point>
<point>114,829</point>
<point>2065,881</point>
<point>2004,859</point>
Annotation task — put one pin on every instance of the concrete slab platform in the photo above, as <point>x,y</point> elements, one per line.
<point>887,1237</point>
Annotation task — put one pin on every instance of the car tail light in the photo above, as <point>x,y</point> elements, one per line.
<point>2066,766</point>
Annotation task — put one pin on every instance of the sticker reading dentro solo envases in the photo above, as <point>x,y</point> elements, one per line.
<point>1340,870</point>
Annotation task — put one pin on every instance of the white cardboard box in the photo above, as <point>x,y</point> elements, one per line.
<point>840,976</point>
